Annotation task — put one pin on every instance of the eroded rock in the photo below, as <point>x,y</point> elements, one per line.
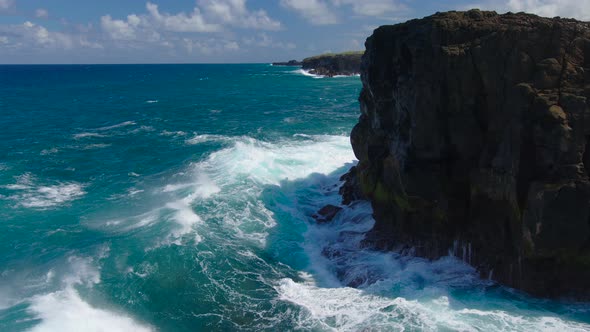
<point>327,213</point>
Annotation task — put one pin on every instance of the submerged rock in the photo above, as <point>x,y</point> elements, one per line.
<point>473,134</point>
<point>327,213</point>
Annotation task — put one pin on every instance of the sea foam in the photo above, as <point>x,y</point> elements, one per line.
<point>65,310</point>
<point>393,291</point>
<point>29,193</point>
<point>308,73</point>
<point>118,125</point>
<point>87,135</point>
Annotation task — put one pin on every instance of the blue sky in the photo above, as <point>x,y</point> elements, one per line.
<point>216,31</point>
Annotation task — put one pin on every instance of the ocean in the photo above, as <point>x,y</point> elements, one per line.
<point>180,198</point>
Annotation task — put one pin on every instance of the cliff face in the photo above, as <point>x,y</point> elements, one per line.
<point>473,137</point>
<point>348,63</point>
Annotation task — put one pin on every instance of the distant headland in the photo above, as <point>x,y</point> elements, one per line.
<point>329,64</point>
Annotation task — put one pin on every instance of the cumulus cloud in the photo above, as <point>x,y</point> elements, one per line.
<point>41,36</point>
<point>264,40</point>
<point>41,13</point>
<point>234,12</point>
<point>191,31</point>
<point>119,29</point>
<point>180,22</point>
<point>208,16</point>
<point>316,12</point>
<point>34,36</point>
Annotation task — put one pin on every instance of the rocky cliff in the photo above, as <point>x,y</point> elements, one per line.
<point>287,63</point>
<point>347,63</point>
<point>473,138</point>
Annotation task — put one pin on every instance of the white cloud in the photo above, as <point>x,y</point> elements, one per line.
<point>372,7</point>
<point>119,29</point>
<point>41,13</point>
<point>40,40</point>
<point>234,12</point>
<point>6,4</point>
<point>41,36</point>
<point>186,31</point>
<point>316,12</point>
<point>264,40</point>
<point>33,36</point>
<point>181,22</point>
<point>207,17</point>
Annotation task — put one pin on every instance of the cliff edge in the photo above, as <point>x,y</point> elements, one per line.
<point>474,138</point>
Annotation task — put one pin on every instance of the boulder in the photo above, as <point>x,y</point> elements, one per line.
<point>327,213</point>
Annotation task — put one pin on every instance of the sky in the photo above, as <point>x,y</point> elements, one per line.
<point>217,31</point>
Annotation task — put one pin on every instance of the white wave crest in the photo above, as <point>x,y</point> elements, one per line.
<point>186,219</point>
<point>142,129</point>
<point>118,125</point>
<point>236,176</point>
<point>94,146</point>
<point>47,152</point>
<point>270,163</point>
<point>65,310</point>
<point>308,73</point>
<point>172,133</point>
<point>87,135</point>
<point>198,139</point>
<point>29,194</point>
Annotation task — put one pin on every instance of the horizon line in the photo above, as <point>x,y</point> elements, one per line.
<point>134,63</point>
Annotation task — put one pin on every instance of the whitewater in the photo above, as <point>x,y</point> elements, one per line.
<point>180,198</point>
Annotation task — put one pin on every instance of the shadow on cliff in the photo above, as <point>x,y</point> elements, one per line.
<point>333,254</point>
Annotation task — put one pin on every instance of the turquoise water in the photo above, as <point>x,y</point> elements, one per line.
<point>179,198</point>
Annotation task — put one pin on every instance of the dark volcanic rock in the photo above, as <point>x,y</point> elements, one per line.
<point>474,133</point>
<point>350,189</point>
<point>327,213</point>
<point>288,63</point>
<point>348,63</point>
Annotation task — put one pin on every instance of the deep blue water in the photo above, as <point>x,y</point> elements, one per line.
<point>179,198</point>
